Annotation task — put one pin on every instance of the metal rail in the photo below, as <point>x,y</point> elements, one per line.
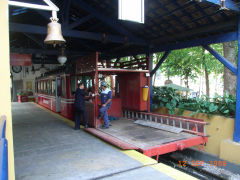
<point>49,7</point>
<point>3,150</point>
<point>189,125</point>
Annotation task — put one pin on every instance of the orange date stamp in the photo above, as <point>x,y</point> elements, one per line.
<point>201,163</point>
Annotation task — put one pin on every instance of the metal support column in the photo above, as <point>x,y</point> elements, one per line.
<point>236,135</point>
<point>150,56</point>
<point>153,71</point>
<point>163,58</point>
<point>223,60</point>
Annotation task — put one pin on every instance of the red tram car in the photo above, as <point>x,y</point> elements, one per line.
<point>55,92</point>
<point>136,127</point>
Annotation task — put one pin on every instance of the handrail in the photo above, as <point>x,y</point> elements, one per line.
<point>3,160</point>
<point>2,127</point>
<point>3,150</point>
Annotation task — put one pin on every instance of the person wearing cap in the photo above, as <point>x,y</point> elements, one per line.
<point>106,101</point>
<point>79,106</point>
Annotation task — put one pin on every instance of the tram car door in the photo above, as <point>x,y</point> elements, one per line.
<point>58,94</point>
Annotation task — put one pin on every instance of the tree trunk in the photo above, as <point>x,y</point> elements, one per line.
<point>206,73</point>
<point>187,85</point>
<point>229,79</point>
<point>207,82</point>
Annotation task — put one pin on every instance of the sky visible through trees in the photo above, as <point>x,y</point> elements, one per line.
<point>191,63</point>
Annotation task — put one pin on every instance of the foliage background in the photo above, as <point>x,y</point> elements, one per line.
<point>169,98</point>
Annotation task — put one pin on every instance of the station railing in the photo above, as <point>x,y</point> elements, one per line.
<point>3,150</point>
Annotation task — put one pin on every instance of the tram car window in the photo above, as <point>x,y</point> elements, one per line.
<point>44,87</point>
<point>41,86</point>
<point>39,91</point>
<point>36,86</point>
<point>59,87</point>
<point>46,90</point>
<point>50,84</point>
<point>73,83</point>
<point>53,87</point>
<point>48,87</point>
<point>86,80</point>
<point>110,83</point>
<point>80,79</point>
<point>63,87</point>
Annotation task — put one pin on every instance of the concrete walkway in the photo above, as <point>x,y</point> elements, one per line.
<point>47,148</point>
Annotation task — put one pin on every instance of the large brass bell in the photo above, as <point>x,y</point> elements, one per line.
<point>54,33</point>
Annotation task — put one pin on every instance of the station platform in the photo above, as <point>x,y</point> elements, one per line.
<point>47,147</point>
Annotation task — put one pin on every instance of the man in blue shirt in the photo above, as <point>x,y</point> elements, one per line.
<point>106,101</point>
<point>79,106</point>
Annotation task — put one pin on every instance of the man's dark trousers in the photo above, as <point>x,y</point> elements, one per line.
<point>78,112</point>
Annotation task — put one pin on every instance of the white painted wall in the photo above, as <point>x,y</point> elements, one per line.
<point>25,77</point>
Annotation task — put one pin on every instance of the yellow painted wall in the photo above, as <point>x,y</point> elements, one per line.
<point>220,128</point>
<point>230,151</point>
<point>5,96</point>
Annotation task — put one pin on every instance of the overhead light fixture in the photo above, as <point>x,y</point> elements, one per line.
<point>54,33</point>
<point>62,59</point>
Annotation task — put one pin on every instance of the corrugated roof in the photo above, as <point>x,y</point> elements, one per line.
<point>166,21</point>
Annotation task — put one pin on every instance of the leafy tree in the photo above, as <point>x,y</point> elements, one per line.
<point>211,65</point>
<point>190,63</point>
<point>184,63</point>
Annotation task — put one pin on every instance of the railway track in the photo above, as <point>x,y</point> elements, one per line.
<point>202,168</point>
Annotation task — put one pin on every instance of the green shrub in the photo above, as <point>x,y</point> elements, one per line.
<point>226,104</point>
<point>167,97</point>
